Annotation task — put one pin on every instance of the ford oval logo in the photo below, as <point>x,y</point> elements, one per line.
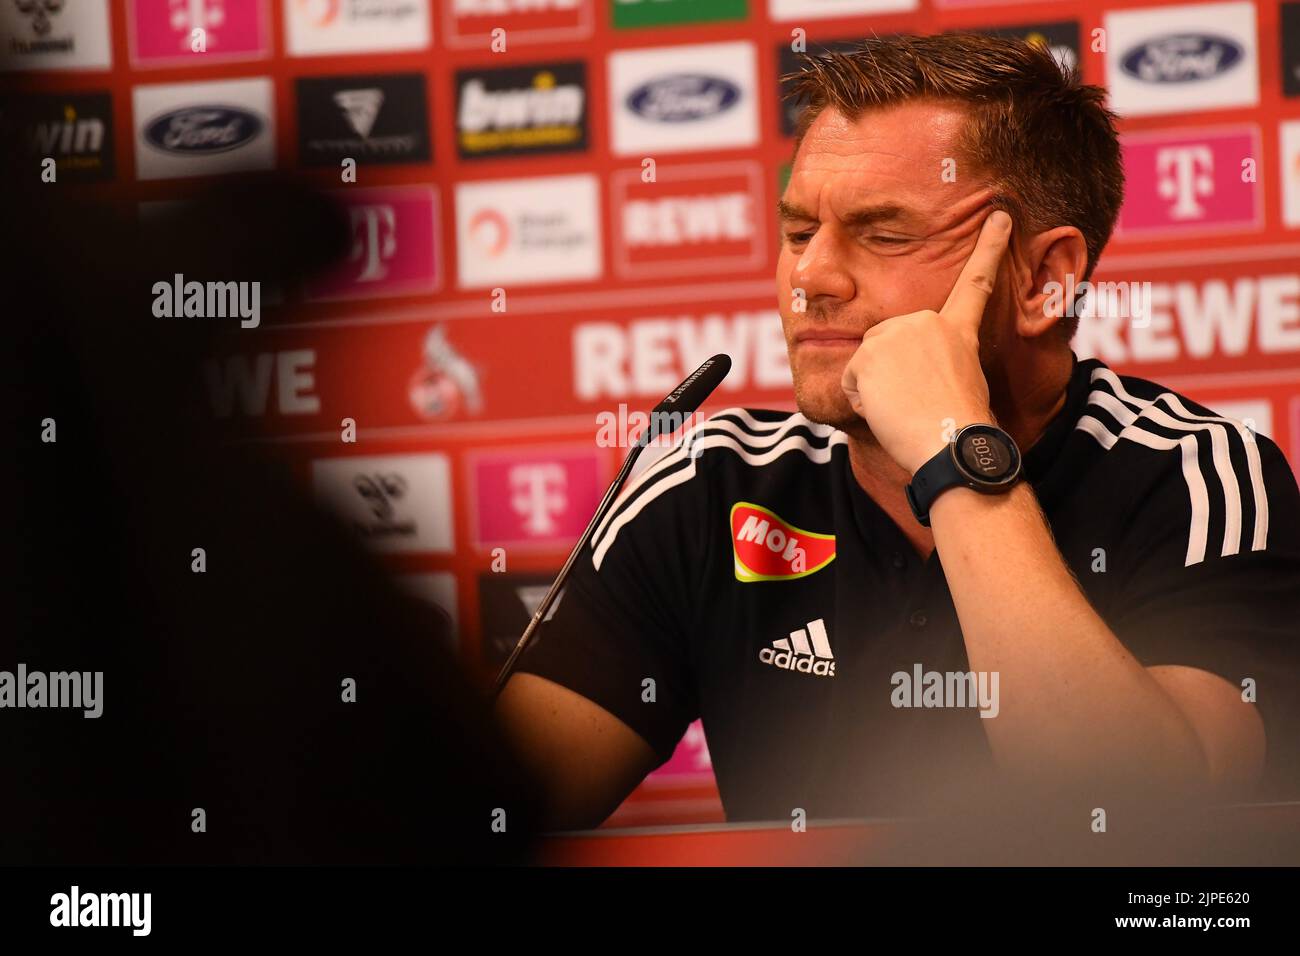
<point>1180,58</point>
<point>203,129</point>
<point>683,98</point>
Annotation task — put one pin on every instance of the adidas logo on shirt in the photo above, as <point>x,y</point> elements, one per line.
<point>795,654</point>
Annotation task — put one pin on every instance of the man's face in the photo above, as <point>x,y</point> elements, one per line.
<point>876,221</point>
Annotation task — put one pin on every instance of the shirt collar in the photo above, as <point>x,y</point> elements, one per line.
<point>1037,461</point>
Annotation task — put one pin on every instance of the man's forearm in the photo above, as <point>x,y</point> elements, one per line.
<point>1073,700</point>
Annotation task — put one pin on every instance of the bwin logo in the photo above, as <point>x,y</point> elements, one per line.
<point>795,654</point>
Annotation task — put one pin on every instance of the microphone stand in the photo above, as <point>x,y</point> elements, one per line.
<point>690,394</point>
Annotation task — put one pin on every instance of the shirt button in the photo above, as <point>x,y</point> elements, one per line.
<point>900,562</point>
<point>918,619</point>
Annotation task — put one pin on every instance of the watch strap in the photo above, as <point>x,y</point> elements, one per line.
<point>935,476</point>
<point>945,471</point>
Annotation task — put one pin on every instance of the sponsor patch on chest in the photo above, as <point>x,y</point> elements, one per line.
<point>768,548</point>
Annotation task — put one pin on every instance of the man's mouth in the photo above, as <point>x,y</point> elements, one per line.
<point>828,338</point>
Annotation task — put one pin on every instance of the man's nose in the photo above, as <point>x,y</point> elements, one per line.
<point>820,269</point>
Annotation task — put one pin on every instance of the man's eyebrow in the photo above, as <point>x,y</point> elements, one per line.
<point>865,216</point>
<point>785,211</point>
<point>871,215</point>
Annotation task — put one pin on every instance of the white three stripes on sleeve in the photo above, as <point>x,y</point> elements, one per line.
<point>759,444</point>
<point>1132,412</point>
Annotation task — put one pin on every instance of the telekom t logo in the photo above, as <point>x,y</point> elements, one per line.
<point>537,494</point>
<point>374,243</point>
<point>187,15</point>
<point>1185,174</point>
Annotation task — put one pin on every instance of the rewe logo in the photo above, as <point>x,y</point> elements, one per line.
<point>691,219</point>
<point>767,548</point>
<point>795,654</point>
<point>468,24</point>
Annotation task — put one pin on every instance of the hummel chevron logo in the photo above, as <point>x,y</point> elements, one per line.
<point>794,654</point>
<point>768,548</point>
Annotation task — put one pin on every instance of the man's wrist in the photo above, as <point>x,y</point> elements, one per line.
<point>944,438</point>
<point>961,503</point>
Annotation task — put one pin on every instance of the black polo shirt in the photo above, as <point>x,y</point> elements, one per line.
<point>751,578</point>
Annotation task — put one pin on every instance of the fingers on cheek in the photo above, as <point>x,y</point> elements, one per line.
<point>855,373</point>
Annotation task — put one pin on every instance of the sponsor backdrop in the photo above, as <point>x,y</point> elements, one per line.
<point>519,287</point>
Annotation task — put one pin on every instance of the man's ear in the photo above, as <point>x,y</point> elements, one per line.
<point>1049,269</point>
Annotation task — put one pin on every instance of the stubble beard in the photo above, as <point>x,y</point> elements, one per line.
<point>820,399</point>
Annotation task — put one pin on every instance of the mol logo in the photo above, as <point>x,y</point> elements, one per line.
<point>768,548</point>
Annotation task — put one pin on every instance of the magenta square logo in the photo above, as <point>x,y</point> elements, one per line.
<point>393,249</point>
<point>536,498</point>
<point>690,759</point>
<point>1184,182</point>
<point>175,32</point>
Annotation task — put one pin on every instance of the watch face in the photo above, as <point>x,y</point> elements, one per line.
<point>988,454</point>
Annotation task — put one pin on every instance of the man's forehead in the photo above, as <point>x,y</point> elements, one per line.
<point>886,163</point>
<point>913,128</point>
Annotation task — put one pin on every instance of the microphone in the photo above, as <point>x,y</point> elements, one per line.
<point>668,416</point>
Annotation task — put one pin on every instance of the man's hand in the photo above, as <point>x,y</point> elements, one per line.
<point>912,372</point>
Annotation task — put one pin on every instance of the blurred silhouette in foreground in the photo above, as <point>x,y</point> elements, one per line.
<point>221,690</point>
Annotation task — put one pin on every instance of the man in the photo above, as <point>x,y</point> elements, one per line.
<point>865,623</point>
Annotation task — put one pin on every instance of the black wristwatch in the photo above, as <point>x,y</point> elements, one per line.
<point>983,458</point>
